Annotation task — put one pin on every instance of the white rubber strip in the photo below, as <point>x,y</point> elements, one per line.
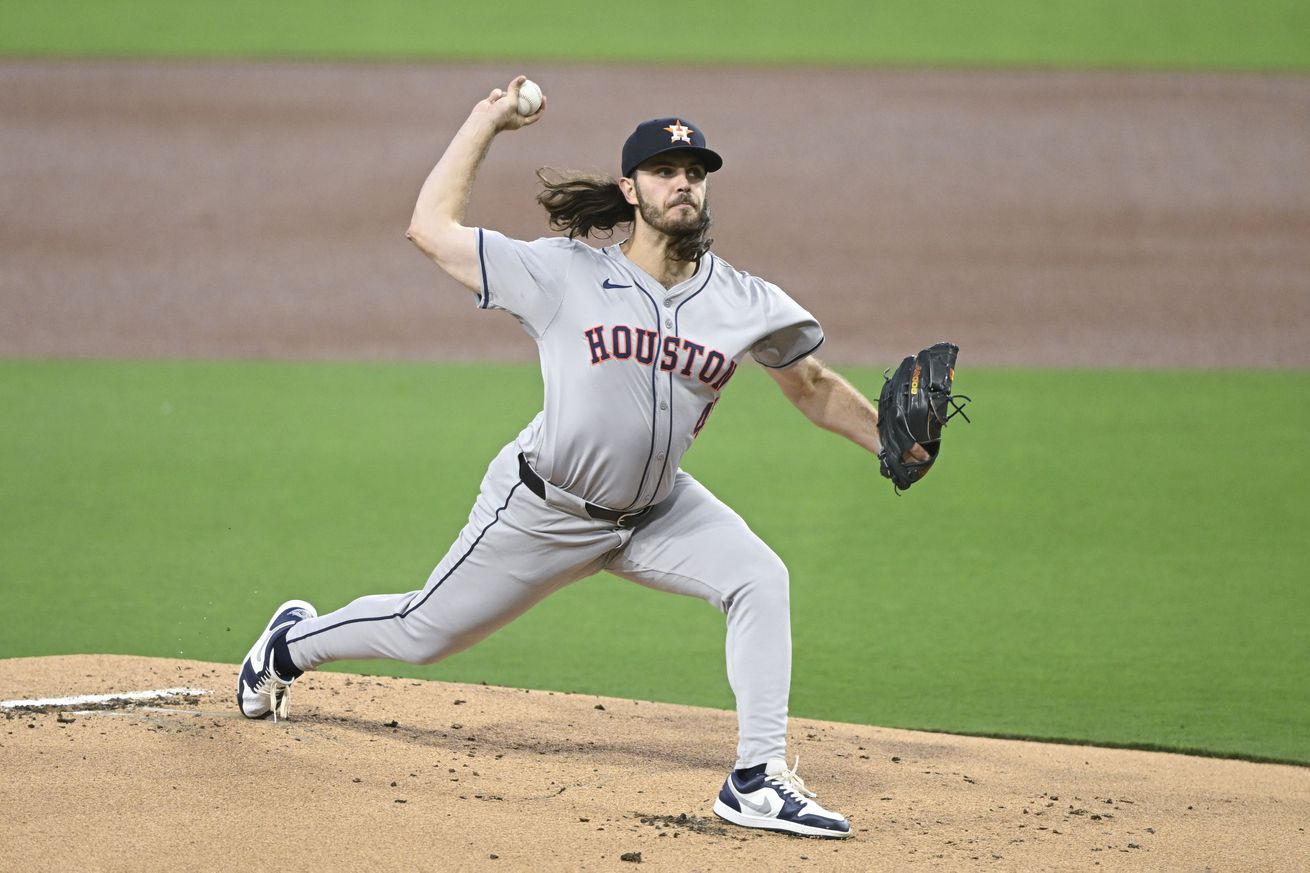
<point>85,699</point>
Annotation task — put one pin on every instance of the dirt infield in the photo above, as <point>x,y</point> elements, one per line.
<point>213,210</point>
<point>399,774</point>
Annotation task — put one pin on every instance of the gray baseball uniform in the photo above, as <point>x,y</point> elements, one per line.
<point>631,373</point>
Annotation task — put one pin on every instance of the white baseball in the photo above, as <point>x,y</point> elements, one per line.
<point>529,97</point>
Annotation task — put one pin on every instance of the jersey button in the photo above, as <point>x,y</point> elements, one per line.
<point>668,322</point>
<point>663,405</point>
<point>660,456</point>
<point>668,301</point>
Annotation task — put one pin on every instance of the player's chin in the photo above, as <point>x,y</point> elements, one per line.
<point>683,217</point>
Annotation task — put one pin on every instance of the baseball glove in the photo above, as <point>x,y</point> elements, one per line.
<point>915,404</point>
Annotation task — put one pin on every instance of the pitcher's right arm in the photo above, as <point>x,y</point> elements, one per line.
<point>437,226</point>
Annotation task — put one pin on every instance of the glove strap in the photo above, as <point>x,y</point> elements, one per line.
<point>886,471</point>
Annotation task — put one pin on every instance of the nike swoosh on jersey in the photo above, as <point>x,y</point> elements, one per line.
<point>609,286</point>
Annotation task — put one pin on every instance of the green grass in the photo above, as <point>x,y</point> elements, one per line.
<point>1102,556</point>
<point>1182,34</point>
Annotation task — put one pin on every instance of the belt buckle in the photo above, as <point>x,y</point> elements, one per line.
<point>622,520</point>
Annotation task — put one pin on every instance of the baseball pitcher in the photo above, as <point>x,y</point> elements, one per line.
<point>644,336</point>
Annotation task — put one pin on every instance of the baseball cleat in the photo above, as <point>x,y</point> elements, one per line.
<point>775,799</point>
<point>261,690</point>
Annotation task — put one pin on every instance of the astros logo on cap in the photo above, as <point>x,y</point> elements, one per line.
<point>680,131</point>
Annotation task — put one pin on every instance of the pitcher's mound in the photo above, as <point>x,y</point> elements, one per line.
<point>400,774</point>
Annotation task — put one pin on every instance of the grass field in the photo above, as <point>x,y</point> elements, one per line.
<point>1169,34</point>
<point>1116,568</point>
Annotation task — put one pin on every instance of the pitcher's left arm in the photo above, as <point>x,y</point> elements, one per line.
<point>831,402</point>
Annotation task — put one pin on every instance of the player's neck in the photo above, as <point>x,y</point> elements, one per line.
<point>653,253</point>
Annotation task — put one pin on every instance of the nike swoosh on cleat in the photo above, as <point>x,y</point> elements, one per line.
<point>257,659</point>
<point>609,286</point>
<point>763,807</point>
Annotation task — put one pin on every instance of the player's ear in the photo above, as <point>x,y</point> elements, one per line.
<point>629,190</point>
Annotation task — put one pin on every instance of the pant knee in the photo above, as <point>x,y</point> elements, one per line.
<point>764,582</point>
<point>432,650</point>
<point>428,647</point>
<point>419,644</point>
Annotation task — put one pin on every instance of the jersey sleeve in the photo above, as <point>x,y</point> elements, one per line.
<point>789,331</point>
<point>525,279</point>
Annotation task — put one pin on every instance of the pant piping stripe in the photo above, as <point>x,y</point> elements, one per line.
<point>407,610</point>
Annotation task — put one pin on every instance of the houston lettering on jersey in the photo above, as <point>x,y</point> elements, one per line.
<point>622,342</point>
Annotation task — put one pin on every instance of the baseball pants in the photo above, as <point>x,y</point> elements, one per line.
<point>516,549</point>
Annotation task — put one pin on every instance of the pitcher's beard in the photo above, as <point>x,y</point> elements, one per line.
<point>681,226</point>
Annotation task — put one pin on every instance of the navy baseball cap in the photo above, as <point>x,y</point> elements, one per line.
<point>660,135</point>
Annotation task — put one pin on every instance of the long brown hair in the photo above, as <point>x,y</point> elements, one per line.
<point>587,204</point>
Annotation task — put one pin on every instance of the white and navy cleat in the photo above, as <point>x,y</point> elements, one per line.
<point>261,690</point>
<point>774,798</point>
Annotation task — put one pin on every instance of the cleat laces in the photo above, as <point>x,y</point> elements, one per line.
<point>791,782</point>
<point>278,692</point>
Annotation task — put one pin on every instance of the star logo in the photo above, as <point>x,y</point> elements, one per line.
<point>680,132</point>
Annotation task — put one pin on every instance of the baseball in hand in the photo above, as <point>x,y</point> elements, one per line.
<point>529,97</point>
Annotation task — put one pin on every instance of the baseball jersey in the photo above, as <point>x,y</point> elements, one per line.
<point>631,370</point>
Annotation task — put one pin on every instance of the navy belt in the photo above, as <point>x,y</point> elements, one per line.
<point>538,487</point>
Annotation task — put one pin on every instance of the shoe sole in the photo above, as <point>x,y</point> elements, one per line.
<point>727,813</point>
<point>260,643</point>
